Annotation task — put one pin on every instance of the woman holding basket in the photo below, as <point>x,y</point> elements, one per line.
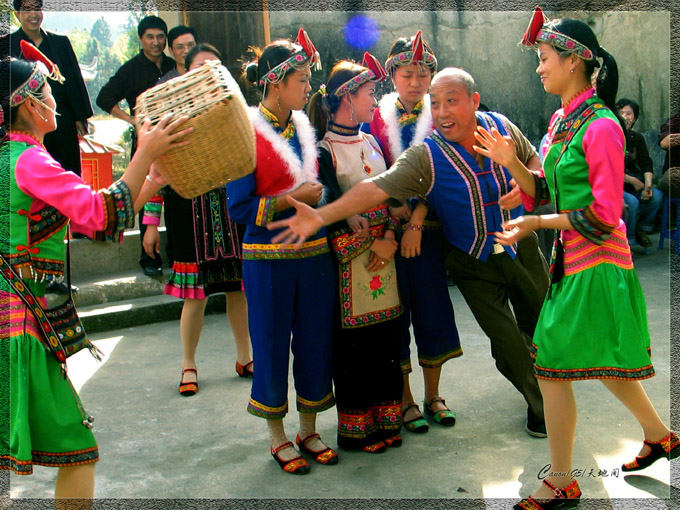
<point>289,292</point>
<point>48,425</point>
<point>593,324</point>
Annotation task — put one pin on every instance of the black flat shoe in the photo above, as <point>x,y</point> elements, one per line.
<point>296,466</point>
<point>668,447</point>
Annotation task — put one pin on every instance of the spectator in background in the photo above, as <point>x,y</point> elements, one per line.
<point>180,40</point>
<point>669,140</point>
<point>638,193</point>
<point>73,102</point>
<point>132,78</point>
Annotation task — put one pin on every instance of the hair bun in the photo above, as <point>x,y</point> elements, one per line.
<point>251,72</point>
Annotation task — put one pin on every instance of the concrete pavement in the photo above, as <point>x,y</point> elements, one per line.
<point>157,444</point>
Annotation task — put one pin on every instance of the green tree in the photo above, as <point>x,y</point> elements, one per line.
<point>101,31</point>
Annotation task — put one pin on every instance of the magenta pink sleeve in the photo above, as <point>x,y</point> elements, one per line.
<point>41,177</point>
<point>603,144</point>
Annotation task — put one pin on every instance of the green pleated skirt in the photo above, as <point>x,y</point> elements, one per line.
<point>594,326</point>
<point>46,422</point>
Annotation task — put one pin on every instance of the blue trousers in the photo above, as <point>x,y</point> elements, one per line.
<point>427,305</point>
<point>290,308</point>
<point>647,210</point>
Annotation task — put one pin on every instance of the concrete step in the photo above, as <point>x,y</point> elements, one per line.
<point>139,311</point>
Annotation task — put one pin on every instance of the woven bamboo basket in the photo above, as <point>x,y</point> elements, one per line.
<point>222,147</point>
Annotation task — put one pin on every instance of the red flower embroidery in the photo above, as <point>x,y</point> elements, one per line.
<point>375,283</point>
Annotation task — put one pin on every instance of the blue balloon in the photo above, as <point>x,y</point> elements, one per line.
<point>361,32</point>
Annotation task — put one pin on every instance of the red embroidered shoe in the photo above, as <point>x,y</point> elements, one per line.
<point>244,370</point>
<point>189,388</point>
<point>569,497</point>
<point>668,447</point>
<point>378,447</point>
<point>296,466</point>
<point>393,442</point>
<point>328,457</point>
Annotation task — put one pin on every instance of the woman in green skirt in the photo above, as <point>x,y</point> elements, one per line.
<point>593,324</point>
<point>48,425</point>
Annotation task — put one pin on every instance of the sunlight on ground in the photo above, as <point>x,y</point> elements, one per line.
<point>82,366</point>
<point>106,309</point>
<point>504,489</point>
<point>652,482</point>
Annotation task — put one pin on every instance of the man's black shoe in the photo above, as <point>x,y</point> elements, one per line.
<point>534,427</point>
<point>153,271</point>
<point>642,239</point>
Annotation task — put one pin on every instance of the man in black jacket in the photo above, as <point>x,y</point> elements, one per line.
<point>132,78</point>
<point>642,199</point>
<point>73,102</point>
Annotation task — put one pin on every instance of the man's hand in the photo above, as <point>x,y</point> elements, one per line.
<point>152,241</point>
<point>306,222</point>
<point>359,226</point>
<point>511,199</point>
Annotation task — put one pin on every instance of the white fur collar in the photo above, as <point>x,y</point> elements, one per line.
<point>301,171</point>
<point>388,111</point>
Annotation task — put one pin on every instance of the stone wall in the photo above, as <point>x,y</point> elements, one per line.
<point>485,44</point>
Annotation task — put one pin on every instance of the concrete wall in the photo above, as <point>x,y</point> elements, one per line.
<point>485,44</point>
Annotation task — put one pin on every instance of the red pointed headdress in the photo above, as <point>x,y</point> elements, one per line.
<point>374,72</point>
<point>541,30</point>
<point>538,19</point>
<point>30,52</point>
<point>418,55</point>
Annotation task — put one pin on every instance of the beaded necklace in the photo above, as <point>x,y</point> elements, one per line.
<point>566,105</point>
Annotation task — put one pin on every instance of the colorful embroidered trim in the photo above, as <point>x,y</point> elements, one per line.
<point>406,58</point>
<point>342,130</point>
<point>68,459</point>
<point>266,210</point>
<point>581,254</point>
<point>346,298</point>
<point>269,413</point>
<point>355,425</point>
<point>120,213</point>
<point>304,53</point>
<point>347,247</point>
<point>563,41</point>
<point>44,224</point>
<point>287,133</point>
<point>185,281</point>
<point>253,251</point>
<point>387,415</point>
<point>309,406</point>
<point>438,361</point>
<point>152,210</point>
<point>351,85</point>
<point>578,374</point>
<point>586,223</point>
<point>30,87</point>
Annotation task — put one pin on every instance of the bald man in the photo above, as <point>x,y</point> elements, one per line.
<point>470,195</point>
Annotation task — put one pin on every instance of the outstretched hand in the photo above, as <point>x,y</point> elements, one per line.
<point>305,223</point>
<point>517,229</point>
<point>495,146</point>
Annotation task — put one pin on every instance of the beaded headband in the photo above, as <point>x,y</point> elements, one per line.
<point>416,55</point>
<point>45,68</point>
<point>540,31</point>
<point>374,72</point>
<point>305,54</point>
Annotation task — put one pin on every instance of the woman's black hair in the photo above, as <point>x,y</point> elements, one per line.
<point>207,47</point>
<point>624,101</point>
<point>13,74</point>
<point>320,109</point>
<point>267,59</point>
<point>607,82</point>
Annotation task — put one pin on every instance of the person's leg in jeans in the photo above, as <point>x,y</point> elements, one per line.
<point>648,210</point>
<point>632,203</point>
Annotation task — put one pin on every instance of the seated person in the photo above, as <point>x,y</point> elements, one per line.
<point>638,193</point>
<point>669,140</point>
